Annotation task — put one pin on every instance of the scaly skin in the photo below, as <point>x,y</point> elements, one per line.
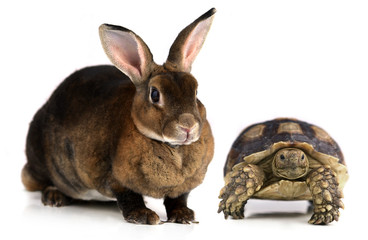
<point>240,184</point>
<point>323,185</point>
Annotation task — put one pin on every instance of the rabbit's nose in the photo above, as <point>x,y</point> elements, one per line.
<point>187,121</point>
<point>187,130</point>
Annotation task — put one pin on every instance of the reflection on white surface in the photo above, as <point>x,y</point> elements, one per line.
<point>268,208</point>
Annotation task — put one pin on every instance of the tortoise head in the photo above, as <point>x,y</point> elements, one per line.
<point>290,163</point>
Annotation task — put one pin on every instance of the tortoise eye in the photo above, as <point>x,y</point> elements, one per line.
<point>155,95</point>
<point>282,157</point>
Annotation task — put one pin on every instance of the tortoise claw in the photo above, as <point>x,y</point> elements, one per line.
<point>324,218</point>
<point>326,196</point>
<point>241,183</point>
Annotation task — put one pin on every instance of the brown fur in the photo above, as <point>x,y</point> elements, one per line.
<point>98,131</point>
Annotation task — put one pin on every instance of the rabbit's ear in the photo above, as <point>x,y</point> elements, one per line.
<point>127,52</point>
<point>188,43</point>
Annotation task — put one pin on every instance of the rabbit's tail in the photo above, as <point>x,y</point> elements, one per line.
<point>30,182</point>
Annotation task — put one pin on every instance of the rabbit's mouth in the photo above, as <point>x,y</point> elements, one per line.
<point>183,131</point>
<point>178,143</point>
<point>192,134</point>
<point>183,135</point>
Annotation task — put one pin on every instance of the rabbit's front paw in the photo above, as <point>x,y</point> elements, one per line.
<point>142,216</point>
<point>183,215</point>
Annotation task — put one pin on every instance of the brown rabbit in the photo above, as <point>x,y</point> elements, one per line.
<point>100,137</point>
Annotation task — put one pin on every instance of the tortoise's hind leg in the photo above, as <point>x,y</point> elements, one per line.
<point>240,184</point>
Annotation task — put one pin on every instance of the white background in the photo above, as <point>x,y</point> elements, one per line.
<point>261,60</point>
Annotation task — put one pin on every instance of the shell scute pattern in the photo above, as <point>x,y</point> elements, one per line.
<point>292,132</point>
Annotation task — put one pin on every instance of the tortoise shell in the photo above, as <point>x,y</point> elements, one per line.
<point>261,140</point>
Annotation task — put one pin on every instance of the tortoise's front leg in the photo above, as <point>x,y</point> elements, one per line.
<point>240,184</point>
<point>323,185</point>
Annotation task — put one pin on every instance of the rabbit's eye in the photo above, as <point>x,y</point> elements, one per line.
<point>155,95</point>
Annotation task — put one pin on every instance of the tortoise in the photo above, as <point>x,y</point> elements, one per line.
<point>285,159</point>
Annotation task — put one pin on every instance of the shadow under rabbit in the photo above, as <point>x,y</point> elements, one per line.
<point>88,209</point>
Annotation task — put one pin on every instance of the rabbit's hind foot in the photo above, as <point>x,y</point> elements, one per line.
<point>51,196</point>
